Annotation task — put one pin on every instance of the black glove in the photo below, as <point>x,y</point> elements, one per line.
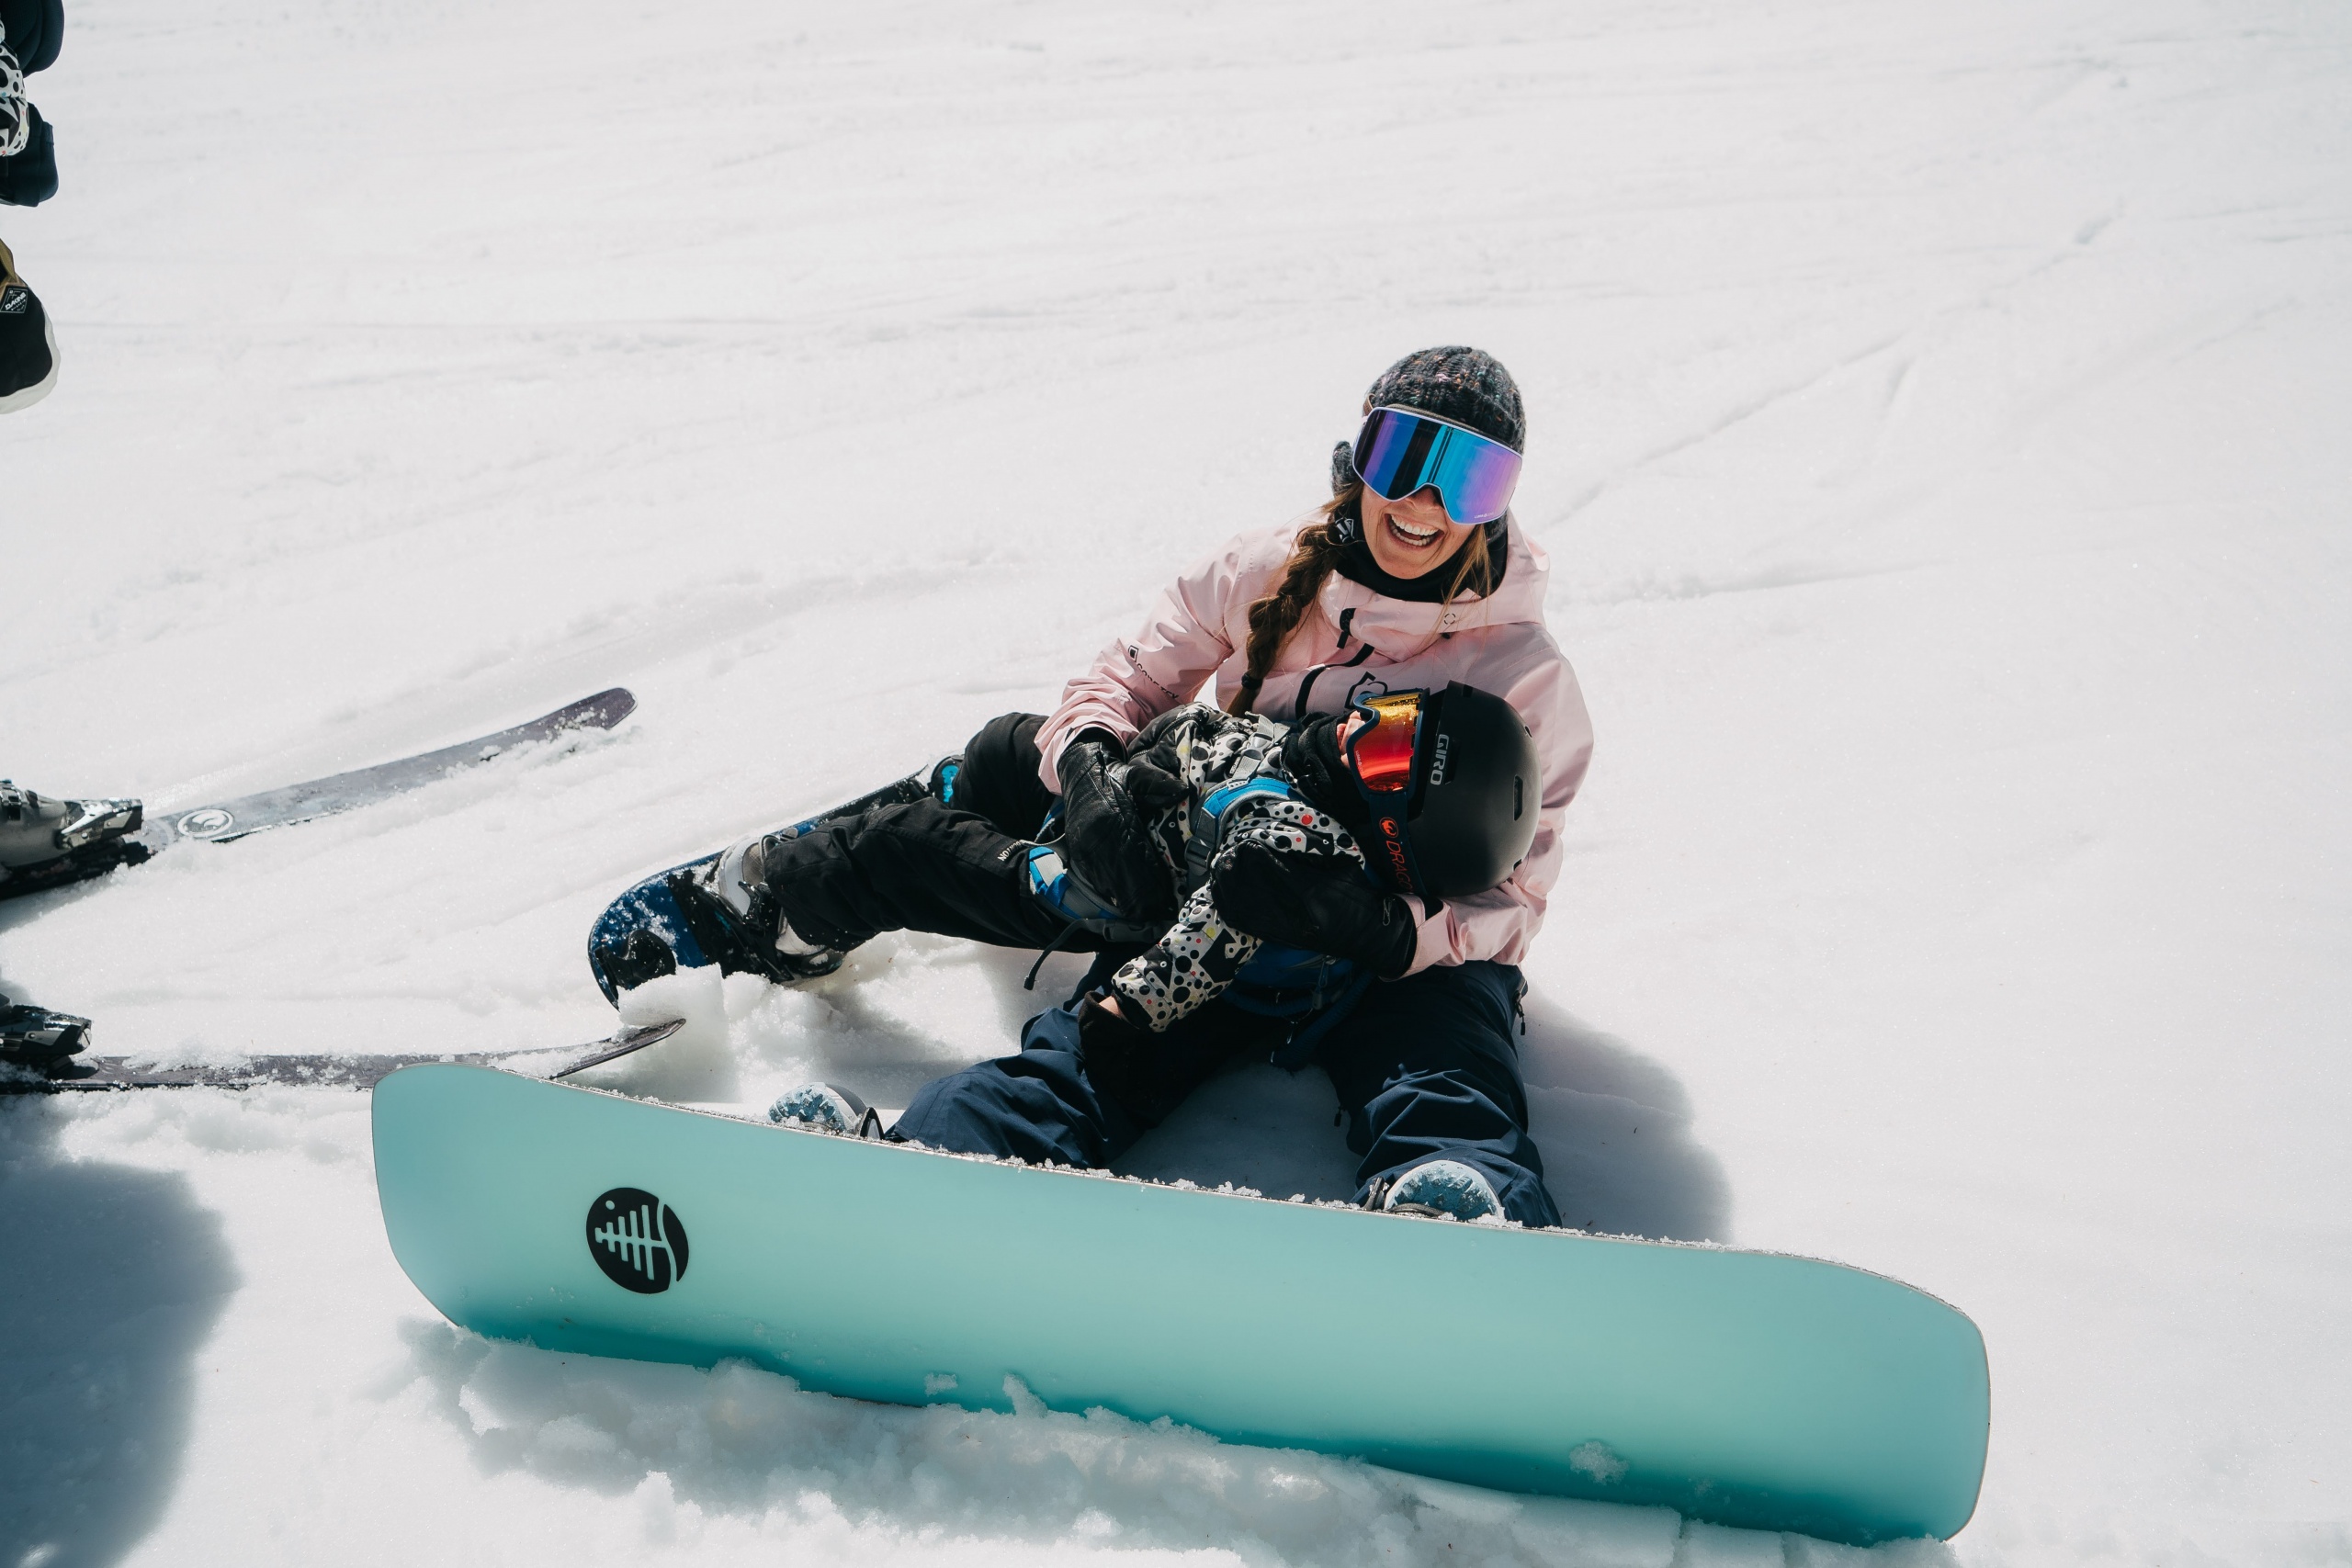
<point>1124,1061</point>
<point>1311,757</point>
<point>1322,903</point>
<point>1104,837</point>
<point>1154,756</point>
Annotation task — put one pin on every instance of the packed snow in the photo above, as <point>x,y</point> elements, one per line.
<point>1938,428</point>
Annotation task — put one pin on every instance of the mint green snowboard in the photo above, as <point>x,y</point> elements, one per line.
<point>1746,1388</point>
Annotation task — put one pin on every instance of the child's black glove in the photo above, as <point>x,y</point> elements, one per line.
<point>1123,1061</point>
<point>1104,836</point>
<point>1322,903</point>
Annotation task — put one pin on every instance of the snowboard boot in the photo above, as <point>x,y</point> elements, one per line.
<point>27,344</point>
<point>728,906</point>
<point>826,1108</point>
<point>1442,1190</point>
<point>47,842</point>
<point>38,1039</point>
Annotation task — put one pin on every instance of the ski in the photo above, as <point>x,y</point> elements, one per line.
<point>305,802</point>
<point>115,1074</point>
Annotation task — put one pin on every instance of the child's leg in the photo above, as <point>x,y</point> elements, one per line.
<point>956,865</point>
<point>1426,1067</point>
<point>997,775</point>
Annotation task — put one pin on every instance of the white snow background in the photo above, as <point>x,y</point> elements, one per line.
<point>1938,427</point>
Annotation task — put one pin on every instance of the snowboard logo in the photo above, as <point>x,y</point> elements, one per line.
<point>207,823</point>
<point>638,1240</point>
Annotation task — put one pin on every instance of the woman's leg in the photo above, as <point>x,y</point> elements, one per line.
<point>1048,1103</point>
<point>1426,1067</point>
<point>955,864</point>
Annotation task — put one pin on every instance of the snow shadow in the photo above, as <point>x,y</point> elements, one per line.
<point>1614,1129</point>
<point>691,1450</point>
<point>113,1277</point>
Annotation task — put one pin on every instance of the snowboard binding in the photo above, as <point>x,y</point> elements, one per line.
<point>744,941</point>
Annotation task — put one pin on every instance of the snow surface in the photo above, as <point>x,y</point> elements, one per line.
<point>1938,428</point>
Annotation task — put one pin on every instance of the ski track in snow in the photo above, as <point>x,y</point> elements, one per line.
<point>1936,431</point>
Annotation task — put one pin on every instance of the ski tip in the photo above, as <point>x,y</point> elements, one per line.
<point>631,1038</point>
<point>602,711</point>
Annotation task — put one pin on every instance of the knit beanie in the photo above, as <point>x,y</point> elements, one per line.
<point>1464,385</point>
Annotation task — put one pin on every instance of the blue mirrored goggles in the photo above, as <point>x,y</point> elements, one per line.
<point>1403,450</point>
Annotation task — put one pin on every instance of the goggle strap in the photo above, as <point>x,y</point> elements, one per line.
<point>1396,860</point>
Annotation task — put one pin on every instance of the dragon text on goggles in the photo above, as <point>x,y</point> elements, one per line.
<point>1380,754</point>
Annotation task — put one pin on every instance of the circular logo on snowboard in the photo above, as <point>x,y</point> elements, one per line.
<point>638,1240</point>
<point>209,823</point>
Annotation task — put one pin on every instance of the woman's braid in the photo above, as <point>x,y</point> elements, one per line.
<point>1275,617</point>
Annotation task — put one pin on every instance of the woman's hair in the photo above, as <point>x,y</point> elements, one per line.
<point>1318,549</point>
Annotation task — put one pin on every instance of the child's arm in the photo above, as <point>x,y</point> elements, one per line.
<point>1190,964</point>
<point>1199,955</point>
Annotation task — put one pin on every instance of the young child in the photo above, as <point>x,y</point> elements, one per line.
<point>1443,785</point>
<point>1237,794</point>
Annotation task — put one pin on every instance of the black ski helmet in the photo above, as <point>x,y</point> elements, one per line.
<point>1477,787</point>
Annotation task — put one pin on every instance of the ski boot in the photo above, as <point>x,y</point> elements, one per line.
<point>1442,1190</point>
<point>38,1039</point>
<point>728,908</point>
<point>47,842</point>
<point>826,1108</point>
<point>28,342</point>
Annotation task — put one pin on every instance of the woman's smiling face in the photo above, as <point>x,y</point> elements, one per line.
<point>1412,537</point>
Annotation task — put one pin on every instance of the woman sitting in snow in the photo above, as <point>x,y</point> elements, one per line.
<point>1407,590</point>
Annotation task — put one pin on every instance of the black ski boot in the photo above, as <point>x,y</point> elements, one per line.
<point>28,345</point>
<point>38,1039</point>
<point>46,842</point>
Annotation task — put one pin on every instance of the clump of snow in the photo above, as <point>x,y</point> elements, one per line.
<point>1597,1460</point>
<point>737,1451</point>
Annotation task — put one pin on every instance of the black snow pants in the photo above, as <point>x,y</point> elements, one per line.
<point>957,867</point>
<point>1426,1067</point>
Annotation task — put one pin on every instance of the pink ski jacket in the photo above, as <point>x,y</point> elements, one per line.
<point>1354,639</point>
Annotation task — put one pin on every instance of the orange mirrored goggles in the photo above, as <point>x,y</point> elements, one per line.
<point>1381,751</point>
